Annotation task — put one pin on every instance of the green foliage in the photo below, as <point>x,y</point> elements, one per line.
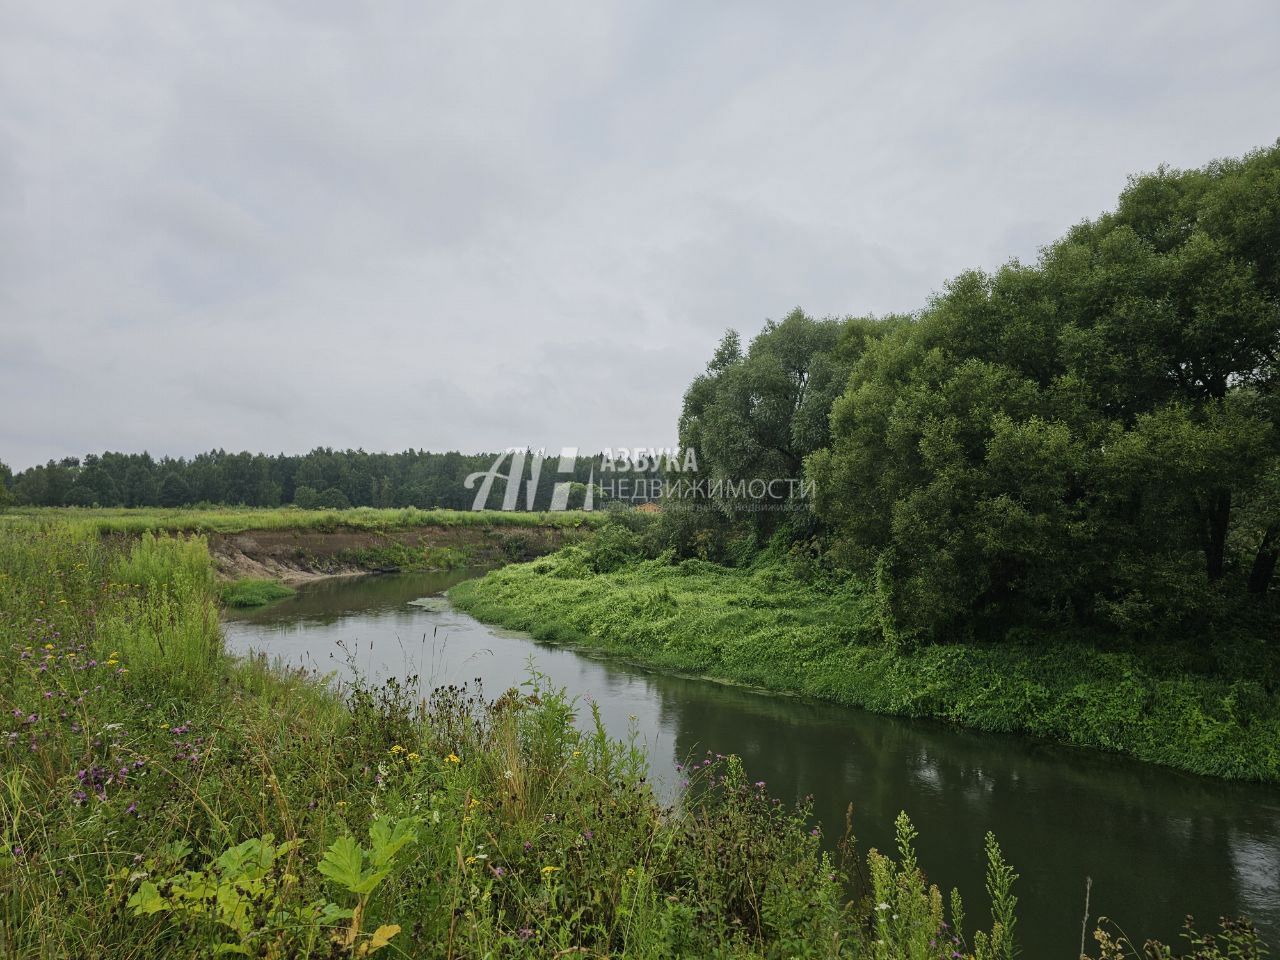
<point>758,415</point>
<point>1237,940</point>
<point>1089,441</point>
<point>247,592</point>
<point>6,480</point>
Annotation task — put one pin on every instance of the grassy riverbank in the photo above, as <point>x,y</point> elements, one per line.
<point>162,799</point>
<point>764,627</point>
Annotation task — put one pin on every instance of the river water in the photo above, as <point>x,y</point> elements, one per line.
<point>1157,844</point>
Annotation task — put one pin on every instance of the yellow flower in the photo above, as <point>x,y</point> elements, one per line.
<point>577,753</point>
<point>114,654</point>
<point>453,758</point>
<point>413,758</point>
<point>48,646</point>
<point>396,749</point>
<point>548,871</point>
<point>470,861</point>
<point>112,662</point>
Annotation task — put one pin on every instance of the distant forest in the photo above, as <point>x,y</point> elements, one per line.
<point>323,478</point>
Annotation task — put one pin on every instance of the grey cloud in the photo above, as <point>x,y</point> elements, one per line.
<point>459,226</point>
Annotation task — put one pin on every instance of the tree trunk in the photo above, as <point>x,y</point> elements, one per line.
<point>1264,562</point>
<point>1216,524</point>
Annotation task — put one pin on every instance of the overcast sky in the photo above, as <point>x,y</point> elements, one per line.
<point>468,226</point>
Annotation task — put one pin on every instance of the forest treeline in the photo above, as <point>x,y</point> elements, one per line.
<point>323,478</point>
<point>1087,441</point>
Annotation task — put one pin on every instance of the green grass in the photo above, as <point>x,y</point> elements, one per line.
<point>762,626</point>
<point>239,519</point>
<point>248,592</point>
<point>160,799</point>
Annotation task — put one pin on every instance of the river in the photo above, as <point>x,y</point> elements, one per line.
<point>1157,843</point>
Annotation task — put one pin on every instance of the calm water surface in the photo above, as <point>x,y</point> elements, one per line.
<point>1157,843</point>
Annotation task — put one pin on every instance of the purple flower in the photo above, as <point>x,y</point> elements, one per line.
<point>524,933</point>
<point>131,809</point>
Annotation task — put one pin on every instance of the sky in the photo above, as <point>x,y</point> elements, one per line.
<point>479,225</point>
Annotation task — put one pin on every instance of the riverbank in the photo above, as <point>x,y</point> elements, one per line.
<point>293,546</point>
<point>765,628</point>
<point>163,799</point>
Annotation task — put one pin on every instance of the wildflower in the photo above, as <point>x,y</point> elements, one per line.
<point>471,861</point>
<point>499,872</point>
<point>452,758</point>
<point>413,757</point>
<point>549,870</point>
<point>131,809</point>
<point>395,750</point>
<point>525,933</point>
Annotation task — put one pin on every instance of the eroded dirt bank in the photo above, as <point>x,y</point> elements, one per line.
<point>298,555</point>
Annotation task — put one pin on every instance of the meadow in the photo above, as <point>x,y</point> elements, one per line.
<point>225,519</point>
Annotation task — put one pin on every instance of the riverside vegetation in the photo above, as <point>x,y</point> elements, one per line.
<point>1047,502</point>
<point>160,798</point>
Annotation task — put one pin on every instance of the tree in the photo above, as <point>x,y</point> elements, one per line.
<point>333,499</point>
<point>1092,436</point>
<point>174,491</point>
<point>758,415</point>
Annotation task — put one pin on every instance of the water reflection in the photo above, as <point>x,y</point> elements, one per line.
<point>1156,843</point>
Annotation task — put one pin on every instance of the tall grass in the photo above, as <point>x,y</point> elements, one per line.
<point>239,519</point>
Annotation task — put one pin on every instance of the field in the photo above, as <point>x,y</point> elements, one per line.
<point>241,519</point>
